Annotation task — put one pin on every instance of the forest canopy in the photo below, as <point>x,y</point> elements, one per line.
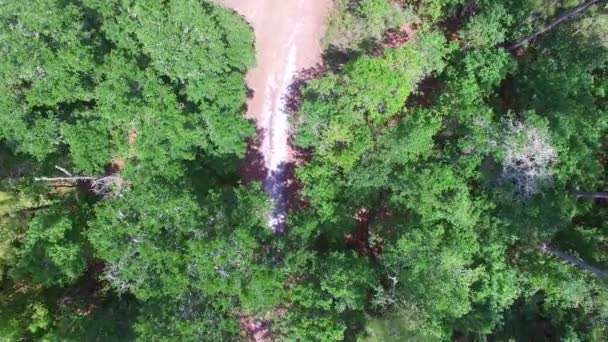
<point>453,187</point>
<point>121,128</point>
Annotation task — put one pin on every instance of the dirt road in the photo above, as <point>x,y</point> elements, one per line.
<point>287,40</point>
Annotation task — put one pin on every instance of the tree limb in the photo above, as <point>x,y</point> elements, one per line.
<point>67,173</point>
<point>573,260</point>
<point>589,194</point>
<point>561,18</point>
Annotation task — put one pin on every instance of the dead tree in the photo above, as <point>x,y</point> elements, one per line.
<point>576,11</point>
<point>589,194</point>
<point>105,186</point>
<point>573,260</point>
<point>528,158</point>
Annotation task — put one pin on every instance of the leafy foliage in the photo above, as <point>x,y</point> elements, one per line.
<point>136,90</point>
<point>453,244</point>
<point>356,28</point>
<point>438,171</point>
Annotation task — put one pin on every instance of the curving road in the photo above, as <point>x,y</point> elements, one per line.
<point>287,34</point>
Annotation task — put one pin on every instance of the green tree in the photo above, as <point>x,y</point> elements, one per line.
<point>137,92</point>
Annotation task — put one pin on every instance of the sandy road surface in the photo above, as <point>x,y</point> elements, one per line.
<point>287,40</point>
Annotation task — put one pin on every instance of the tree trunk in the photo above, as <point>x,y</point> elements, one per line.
<point>26,211</point>
<point>32,210</point>
<point>589,194</point>
<point>561,18</point>
<point>573,260</point>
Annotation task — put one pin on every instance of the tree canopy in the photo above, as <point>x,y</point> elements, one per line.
<point>452,188</point>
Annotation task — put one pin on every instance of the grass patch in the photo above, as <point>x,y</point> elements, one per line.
<point>388,329</point>
<point>7,203</point>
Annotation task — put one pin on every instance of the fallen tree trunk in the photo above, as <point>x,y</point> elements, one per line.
<point>65,179</point>
<point>573,260</point>
<point>105,186</point>
<point>561,18</point>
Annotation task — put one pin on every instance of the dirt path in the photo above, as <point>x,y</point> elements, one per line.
<point>287,40</point>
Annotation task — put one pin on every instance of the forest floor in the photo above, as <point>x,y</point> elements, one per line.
<point>288,34</point>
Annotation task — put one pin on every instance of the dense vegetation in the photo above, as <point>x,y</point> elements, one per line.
<point>454,188</point>
<point>143,99</point>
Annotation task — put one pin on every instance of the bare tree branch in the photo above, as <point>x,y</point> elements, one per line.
<point>573,260</point>
<point>67,173</point>
<point>589,194</point>
<point>561,18</point>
